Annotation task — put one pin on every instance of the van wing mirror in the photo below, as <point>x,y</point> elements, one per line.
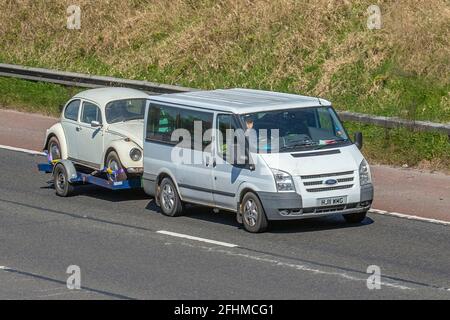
<point>358,139</point>
<point>241,159</point>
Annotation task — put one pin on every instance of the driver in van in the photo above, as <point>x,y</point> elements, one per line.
<point>249,124</point>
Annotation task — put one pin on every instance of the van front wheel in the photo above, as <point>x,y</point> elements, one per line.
<point>169,200</point>
<point>253,215</point>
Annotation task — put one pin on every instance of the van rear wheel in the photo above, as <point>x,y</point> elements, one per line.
<point>169,200</point>
<point>253,215</point>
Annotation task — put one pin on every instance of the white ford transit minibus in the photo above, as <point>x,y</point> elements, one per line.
<point>263,155</point>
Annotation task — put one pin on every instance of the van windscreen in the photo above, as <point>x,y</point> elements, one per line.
<point>296,129</point>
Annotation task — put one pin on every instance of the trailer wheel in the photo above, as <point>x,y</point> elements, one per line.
<point>169,199</point>
<point>63,187</point>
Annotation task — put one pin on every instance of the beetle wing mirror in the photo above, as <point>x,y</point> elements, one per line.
<point>95,124</point>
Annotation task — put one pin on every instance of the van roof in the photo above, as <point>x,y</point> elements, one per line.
<point>240,101</point>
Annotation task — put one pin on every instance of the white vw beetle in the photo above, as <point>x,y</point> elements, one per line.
<point>101,128</point>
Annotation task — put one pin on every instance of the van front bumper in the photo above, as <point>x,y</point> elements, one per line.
<point>289,205</point>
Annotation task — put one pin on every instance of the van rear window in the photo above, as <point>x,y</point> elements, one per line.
<point>162,121</point>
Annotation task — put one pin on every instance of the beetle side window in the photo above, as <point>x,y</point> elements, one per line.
<point>71,111</point>
<point>90,113</point>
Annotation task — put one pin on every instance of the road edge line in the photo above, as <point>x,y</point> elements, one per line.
<point>409,217</point>
<point>22,150</point>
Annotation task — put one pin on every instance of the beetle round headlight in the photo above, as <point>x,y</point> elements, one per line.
<point>135,154</point>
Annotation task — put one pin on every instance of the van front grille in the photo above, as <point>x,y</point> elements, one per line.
<point>325,175</point>
<point>317,182</point>
<point>329,188</point>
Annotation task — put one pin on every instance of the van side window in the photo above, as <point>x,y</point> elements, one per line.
<point>71,111</point>
<point>224,123</point>
<point>163,120</point>
<point>187,120</point>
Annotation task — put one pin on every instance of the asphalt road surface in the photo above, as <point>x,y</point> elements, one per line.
<point>124,249</point>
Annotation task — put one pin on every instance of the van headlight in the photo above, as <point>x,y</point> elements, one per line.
<point>283,180</point>
<point>364,173</point>
<point>135,154</point>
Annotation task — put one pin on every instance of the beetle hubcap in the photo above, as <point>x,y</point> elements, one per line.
<point>54,151</point>
<point>168,197</point>
<point>250,212</point>
<point>113,165</point>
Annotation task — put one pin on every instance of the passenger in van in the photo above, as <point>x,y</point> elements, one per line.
<point>249,123</point>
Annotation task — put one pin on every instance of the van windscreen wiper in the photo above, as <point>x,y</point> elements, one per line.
<point>331,143</point>
<point>305,143</point>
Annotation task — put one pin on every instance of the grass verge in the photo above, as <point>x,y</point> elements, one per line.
<point>38,97</point>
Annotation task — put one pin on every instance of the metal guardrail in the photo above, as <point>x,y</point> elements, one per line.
<point>395,122</point>
<point>84,80</point>
<point>92,81</point>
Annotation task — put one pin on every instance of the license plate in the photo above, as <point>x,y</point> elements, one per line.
<point>333,201</point>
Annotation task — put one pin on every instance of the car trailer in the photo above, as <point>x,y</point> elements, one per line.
<point>66,177</point>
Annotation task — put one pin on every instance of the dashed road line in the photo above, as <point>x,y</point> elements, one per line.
<point>185,236</point>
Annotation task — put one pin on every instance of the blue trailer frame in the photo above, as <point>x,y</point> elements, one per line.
<point>86,178</point>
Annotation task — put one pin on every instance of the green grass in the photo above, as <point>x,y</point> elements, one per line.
<point>398,93</point>
<point>400,147</point>
<point>35,97</point>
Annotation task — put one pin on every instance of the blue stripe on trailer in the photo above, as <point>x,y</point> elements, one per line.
<point>105,183</point>
<point>102,182</point>
<point>45,167</point>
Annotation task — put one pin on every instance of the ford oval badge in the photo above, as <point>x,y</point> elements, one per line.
<point>330,182</point>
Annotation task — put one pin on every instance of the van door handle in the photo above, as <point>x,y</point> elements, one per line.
<point>214,163</point>
<point>78,128</point>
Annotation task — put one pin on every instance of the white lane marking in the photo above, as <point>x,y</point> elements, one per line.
<point>409,217</point>
<point>22,150</point>
<point>185,236</point>
<point>266,258</point>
